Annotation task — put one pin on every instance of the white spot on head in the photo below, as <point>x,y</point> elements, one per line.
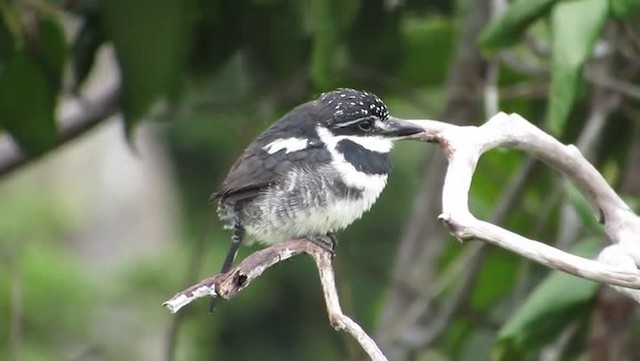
<point>290,144</point>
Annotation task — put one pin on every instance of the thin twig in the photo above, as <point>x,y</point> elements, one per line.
<point>336,317</point>
<point>16,312</point>
<point>620,86</point>
<point>195,262</point>
<point>491,94</point>
<point>555,351</point>
<point>521,65</point>
<point>229,284</point>
<point>438,325</point>
<point>90,115</point>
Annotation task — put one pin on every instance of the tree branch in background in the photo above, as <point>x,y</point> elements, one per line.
<point>229,284</point>
<point>465,268</point>
<point>423,239</point>
<point>90,114</point>
<point>422,242</point>
<point>619,86</point>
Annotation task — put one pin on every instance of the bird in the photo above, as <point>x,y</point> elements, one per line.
<point>313,172</point>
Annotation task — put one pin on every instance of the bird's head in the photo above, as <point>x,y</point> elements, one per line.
<point>354,113</point>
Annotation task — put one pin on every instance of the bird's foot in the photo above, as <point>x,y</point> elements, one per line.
<point>328,242</point>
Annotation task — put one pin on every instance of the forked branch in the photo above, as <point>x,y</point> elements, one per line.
<point>463,147</point>
<point>617,265</point>
<point>228,285</point>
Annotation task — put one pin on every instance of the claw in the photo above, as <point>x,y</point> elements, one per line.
<point>328,242</point>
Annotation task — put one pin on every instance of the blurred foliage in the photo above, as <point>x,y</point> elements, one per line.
<point>229,68</point>
<point>40,281</point>
<point>508,29</point>
<point>576,25</point>
<point>548,310</point>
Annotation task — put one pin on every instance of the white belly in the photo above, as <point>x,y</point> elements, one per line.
<point>335,215</point>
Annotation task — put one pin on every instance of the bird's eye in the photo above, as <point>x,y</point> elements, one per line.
<point>366,125</point>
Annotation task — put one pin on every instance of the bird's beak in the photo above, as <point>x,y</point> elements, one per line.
<point>398,129</point>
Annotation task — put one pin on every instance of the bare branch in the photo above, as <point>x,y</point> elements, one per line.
<point>464,145</point>
<point>92,113</point>
<point>229,284</point>
<point>619,86</point>
<point>337,318</point>
<point>195,263</point>
<point>16,305</point>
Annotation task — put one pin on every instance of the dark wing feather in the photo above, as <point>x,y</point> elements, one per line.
<point>250,173</point>
<point>256,168</point>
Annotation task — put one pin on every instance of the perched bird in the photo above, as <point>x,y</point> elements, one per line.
<point>313,172</point>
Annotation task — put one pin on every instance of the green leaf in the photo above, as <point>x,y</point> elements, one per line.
<point>52,50</point>
<point>27,105</point>
<point>508,29</point>
<point>325,45</point>
<point>575,25</point>
<point>11,22</point>
<point>625,9</point>
<point>375,39</point>
<point>583,208</point>
<point>8,40</point>
<point>494,279</point>
<point>284,49</point>
<point>557,301</point>
<point>219,33</point>
<point>151,40</point>
<point>426,38</point>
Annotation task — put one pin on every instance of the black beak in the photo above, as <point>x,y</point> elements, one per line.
<point>396,128</point>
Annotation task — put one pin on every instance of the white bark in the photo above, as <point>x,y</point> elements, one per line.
<point>617,265</point>
<point>229,284</point>
<point>463,147</point>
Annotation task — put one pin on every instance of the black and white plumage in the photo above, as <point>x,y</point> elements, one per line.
<point>313,172</point>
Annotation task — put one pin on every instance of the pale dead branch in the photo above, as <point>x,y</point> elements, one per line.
<point>228,285</point>
<point>463,146</point>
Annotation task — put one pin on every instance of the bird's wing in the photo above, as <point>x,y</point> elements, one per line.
<point>256,169</point>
